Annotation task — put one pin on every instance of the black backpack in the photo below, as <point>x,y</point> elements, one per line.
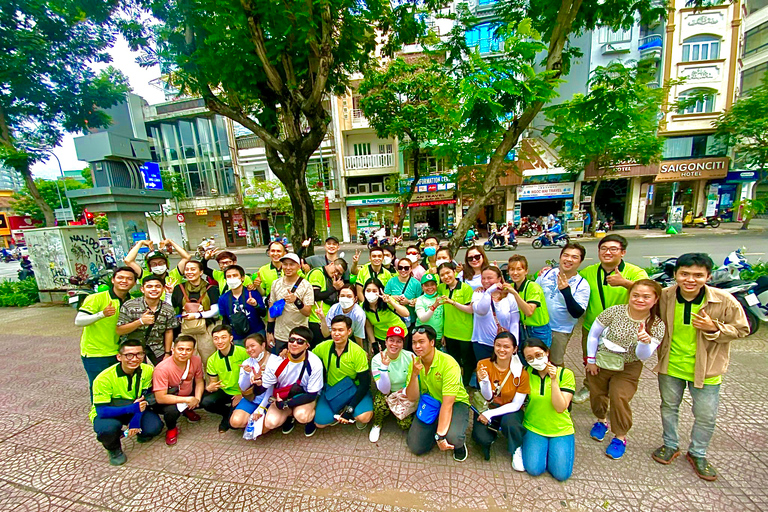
<point>238,319</point>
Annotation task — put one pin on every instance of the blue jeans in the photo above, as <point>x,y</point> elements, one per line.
<point>705,402</point>
<point>94,366</point>
<point>109,431</point>
<point>553,454</point>
<point>543,332</point>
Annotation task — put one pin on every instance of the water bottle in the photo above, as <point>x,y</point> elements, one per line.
<point>249,428</point>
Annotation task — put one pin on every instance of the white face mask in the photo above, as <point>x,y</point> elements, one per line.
<point>159,270</point>
<point>387,260</point>
<point>441,261</point>
<point>234,282</point>
<point>413,257</point>
<point>539,363</point>
<point>346,302</point>
<point>371,296</point>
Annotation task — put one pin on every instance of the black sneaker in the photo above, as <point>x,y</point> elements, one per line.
<point>288,425</point>
<point>224,425</point>
<point>665,455</point>
<point>310,429</point>
<point>117,457</point>
<point>460,454</point>
<point>486,452</point>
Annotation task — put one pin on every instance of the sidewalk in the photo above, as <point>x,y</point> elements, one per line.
<point>50,459</point>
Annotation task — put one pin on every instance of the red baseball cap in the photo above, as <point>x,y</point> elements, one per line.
<point>396,330</point>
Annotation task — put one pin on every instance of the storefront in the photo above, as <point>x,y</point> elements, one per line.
<point>685,182</point>
<point>540,200</point>
<point>433,203</point>
<point>620,194</point>
<point>370,213</point>
<point>17,224</point>
<point>735,186</point>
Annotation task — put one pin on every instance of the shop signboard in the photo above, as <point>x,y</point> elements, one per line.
<point>372,201</point>
<point>743,176</point>
<point>711,207</point>
<point>693,169</point>
<point>431,183</point>
<point>431,196</point>
<point>545,191</point>
<point>622,170</point>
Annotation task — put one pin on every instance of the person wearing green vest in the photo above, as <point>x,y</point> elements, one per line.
<point>119,399</point>
<point>373,270</point>
<point>223,391</point>
<point>434,382</point>
<point>224,259</point>
<point>429,307</point>
<point>609,284</point>
<point>156,263</point>
<point>702,321</point>
<point>269,273</point>
<point>382,311</point>
<point>456,298</point>
<point>534,317</point>
<point>98,318</point>
<point>326,282</point>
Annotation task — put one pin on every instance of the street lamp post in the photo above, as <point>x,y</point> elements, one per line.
<point>69,201</point>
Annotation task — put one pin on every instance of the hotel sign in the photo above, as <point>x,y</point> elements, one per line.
<point>694,169</point>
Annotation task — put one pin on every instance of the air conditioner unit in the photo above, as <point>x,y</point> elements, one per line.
<point>376,187</point>
<point>388,187</point>
<point>364,188</point>
<point>352,191</point>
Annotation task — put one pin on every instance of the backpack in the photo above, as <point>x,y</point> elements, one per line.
<point>238,319</point>
<point>196,326</point>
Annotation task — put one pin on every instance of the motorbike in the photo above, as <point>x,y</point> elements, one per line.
<point>85,287</point>
<point>469,240</point>
<point>448,232</point>
<point>700,220</point>
<point>496,241</point>
<point>528,229</point>
<point>745,293</point>
<point>25,272</point>
<point>362,238</point>
<point>656,223</point>
<point>665,274</point>
<point>559,240</point>
<point>205,245</point>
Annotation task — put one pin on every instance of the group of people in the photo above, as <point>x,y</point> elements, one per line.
<point>423,338</point>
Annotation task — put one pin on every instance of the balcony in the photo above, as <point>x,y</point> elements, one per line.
<point>369,162</point>
<point>358,119</point>
<point>617,47</point>
<point>650,47</point>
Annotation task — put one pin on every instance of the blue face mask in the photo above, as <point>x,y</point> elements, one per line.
<point>430,251</point>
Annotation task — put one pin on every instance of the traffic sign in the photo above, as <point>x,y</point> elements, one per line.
<point>150,171</point>
<point>180,218</point>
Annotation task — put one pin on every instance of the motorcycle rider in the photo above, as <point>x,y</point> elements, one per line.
<point>555,230</point>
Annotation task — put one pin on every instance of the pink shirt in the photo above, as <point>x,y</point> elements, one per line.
<point>167,374</point>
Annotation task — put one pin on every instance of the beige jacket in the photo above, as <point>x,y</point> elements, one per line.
<point>712,349</point>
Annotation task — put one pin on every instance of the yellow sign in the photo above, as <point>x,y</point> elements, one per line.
<point>201,211</point>
<point>5,229</point>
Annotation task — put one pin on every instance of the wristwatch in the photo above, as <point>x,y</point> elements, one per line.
<point>439,438</point>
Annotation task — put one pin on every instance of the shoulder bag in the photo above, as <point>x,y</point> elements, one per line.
<point>429,408</point>
<point>197,325</point>
<point>340,394</point>
<point>291,390</point>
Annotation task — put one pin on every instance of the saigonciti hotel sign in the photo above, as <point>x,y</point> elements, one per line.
<point>695,169</point>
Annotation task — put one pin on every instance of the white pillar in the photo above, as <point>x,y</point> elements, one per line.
<point>633,202</point>
<point>344,224</point>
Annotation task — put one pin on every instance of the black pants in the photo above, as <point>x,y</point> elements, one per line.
<point>317,334</point>
<point>510,425</point>
<point>279,346</point>
<point>170,414</point>
<point>109,431</point>
<point>421,437</point>
<point>464,354</point>
<point>219,403</point>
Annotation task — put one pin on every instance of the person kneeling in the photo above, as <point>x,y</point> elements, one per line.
<point>119,399</point>
<point>434,381</point>
<point>250,380</point>
<point>346,398</point>
<point>223,391</point>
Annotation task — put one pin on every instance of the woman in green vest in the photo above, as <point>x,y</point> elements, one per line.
<point>381,312</point>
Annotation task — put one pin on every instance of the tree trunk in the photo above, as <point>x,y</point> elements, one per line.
<point>294,176</point>
<point>747,218</point>
<point>50,218</point>
<point>406,200</point>
<point>592,208</point>
<point>160,225</point>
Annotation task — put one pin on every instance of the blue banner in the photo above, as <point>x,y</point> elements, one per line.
<point>150,171</point>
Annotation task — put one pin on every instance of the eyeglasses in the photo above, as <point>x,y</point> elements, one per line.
<point>132,356</point>
<point>297,341</point>
<point>405,267</point>
<point>476,257</point>
<point>612,250</point>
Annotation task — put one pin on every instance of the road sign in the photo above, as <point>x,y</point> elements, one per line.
<point>150,171</point>
<point>180,218</point>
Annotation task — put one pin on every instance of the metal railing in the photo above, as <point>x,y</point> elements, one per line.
<point>368,161</point>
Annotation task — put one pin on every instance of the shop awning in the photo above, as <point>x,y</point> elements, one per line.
<point>432,203</point>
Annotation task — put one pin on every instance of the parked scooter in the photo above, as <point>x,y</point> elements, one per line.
<point>700,220</point>
<point>560,240</point>
<point>85,287</point>
<point>665,274</point>
<point>656,223</point>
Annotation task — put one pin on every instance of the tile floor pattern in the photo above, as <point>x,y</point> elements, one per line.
<point>50,459</point>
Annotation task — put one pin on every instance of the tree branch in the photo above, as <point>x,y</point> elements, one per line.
<point>257,38</point>
<point>325,57</point>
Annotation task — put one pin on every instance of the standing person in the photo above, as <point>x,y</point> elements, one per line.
<point>346,306</point>
<point>434,382</point>
<point>381,312</point>
<point>548,444</point>
<point>390,258</point>
<point>326,282</point>
<point>475,261</point>
<point>609,284</point>
<point>405,288</point>
<point>413,254</point>
<point>429,306</point>
<point>530,301</point>
<point>346,398</point>
<point>250,381</point>
<point>269,273</point>
<point>298,302</point>
<point>390,370</point>
<point>294,383</point>
<point>567,295</point>
<point>118,399</point>
<point>372,270</point>
<point>504,383</point>
<point>149,320</point>
<point>494,311</point>
<point>701,323</point>
<point>198,303</point>
<point>156,263</point>
<point>331,254</point>
<point>456,298</point>
<point>223,368</point>
<point>428,263</point>
<point>621,338</point>
<point>178,386</point>
<point>98,317</point>
<point>241,308</point>
<point>225,259</point>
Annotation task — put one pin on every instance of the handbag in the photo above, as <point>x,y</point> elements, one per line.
<point>399,404</point>
<point>609,360</point>
<point>499,328</point>
<point>197,325</point>
<point>276,309</point>
<point>429,408</point>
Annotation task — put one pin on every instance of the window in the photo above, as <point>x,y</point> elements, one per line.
<point>751,77</point>
<point>696,146</point>
<point>482,37</point>
<point>362,148</point>
<point>486,2</point>
<point>705,101</point>
<point>607,35</point>
<point>434,165</point>
<point>385,149</point>
<point>701,48</point>
<point>260,175</point>
<point>756,38</point>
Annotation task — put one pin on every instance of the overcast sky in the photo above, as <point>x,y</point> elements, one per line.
<point>124,60</point>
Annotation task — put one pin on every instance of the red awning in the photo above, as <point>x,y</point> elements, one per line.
<point>432,203</point>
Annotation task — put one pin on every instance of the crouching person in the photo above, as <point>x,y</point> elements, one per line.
<point>434,381</point>
<point>223,367</point>
<point>119,399</point>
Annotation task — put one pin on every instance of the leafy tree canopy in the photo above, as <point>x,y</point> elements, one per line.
<point>23,204</point>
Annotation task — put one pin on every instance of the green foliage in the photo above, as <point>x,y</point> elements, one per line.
<point>86,174</point>
<point>101,222</point>
<point>50,190</point>
<point>759,269</point>
<point>18,293</point>
<point>751,207</point>
<point>174,183</point>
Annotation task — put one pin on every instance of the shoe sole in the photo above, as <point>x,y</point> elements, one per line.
<point>170,442</point>
<point>665,462</point>
<point>703,477</point>
<point>614,458</point>
<point>599,440</point>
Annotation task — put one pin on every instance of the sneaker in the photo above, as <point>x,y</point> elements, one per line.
<point>375,433</point>
<point>460,454</point>
<point>665,455</point>
<point>598,431</point>
<point>703,469</point>
<point>310,429</point>
<point>360,425</point>
<point>191,415</point>
<point>171,436</point>
<point>517,460</point>
<point>616,449</point>
<point>288,425</point>
<point>581,395</point>
<point>143,439</point>
<point>224,426</point>
<point>117,457</point>
<point>486,452</point>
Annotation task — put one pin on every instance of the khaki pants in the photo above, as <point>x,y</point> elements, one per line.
<point>614,389</point>
<point>559,344</point>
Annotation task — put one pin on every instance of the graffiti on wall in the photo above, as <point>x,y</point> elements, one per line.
<point>59,253</point>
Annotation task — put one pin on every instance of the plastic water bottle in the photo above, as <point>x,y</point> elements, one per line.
<point>249,428</point>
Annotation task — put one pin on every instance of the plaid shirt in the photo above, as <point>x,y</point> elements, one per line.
<point>132,310</point>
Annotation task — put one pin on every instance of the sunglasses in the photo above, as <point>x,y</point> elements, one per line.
<point>403,267</point>
<point>297,341</point>
<point>476,257</point>
<point>420,330</point>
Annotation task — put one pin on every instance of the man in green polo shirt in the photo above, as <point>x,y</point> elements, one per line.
<point>701,323</point>
<point>438,375</point>
<point>98,318</point>
<point>344,362</point>
<point>373,269</point>
<point>609,284</point>
<point>225,259</point>
<point>223,368</point>
<point>118,399</point>
<point>269,273</point>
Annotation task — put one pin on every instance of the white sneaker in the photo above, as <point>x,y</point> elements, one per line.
<point>517,460</point>
<point>375,432</point>
<point>581,395</point>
